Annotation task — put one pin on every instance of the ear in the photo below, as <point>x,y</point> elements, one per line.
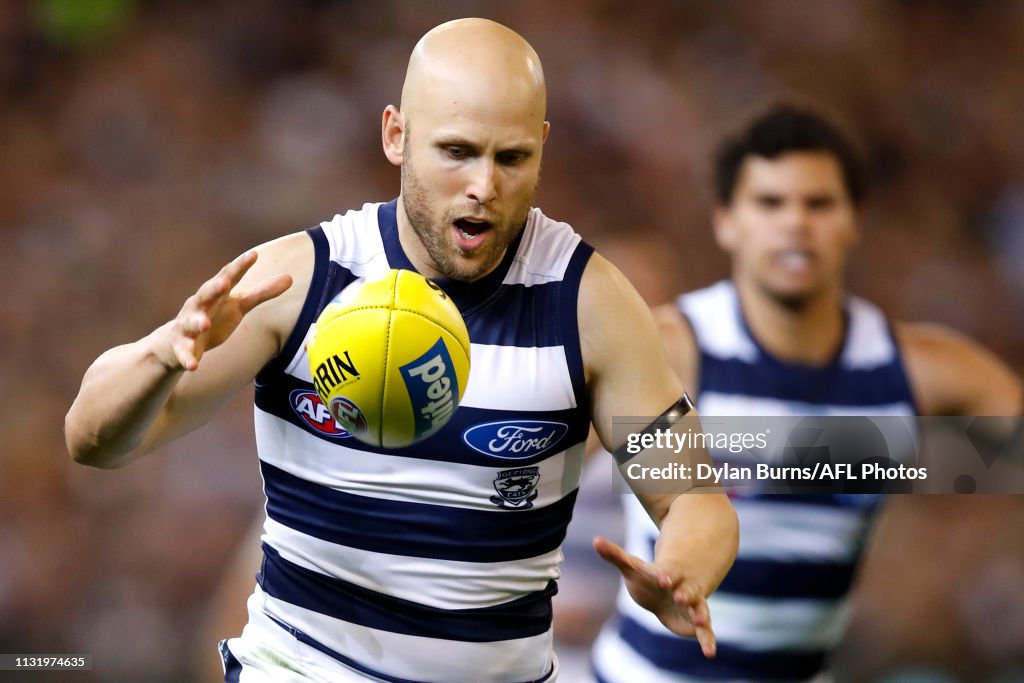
<point>544,135</point>
<point>392,133</point>
<point>725,229</point>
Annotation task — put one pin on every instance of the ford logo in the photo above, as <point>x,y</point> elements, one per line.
<point>515,439</point>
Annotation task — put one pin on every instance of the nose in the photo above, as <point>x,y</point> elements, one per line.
<point>797,218</point>
<point>482,186</point>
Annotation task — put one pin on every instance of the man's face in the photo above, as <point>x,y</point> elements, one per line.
<point>469,176</point>
<point>789,226</point>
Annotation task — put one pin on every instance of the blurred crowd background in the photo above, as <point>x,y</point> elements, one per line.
<point>144,143</point>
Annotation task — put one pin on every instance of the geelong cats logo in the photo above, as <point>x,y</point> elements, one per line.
<point>516,488</point>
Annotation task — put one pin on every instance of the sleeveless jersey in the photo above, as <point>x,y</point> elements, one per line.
<point>435,562</point>
<point>784,603</point>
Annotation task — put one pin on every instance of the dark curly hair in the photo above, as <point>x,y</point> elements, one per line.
<point>782,129</point>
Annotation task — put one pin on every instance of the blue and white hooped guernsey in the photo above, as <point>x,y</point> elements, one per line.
<point>435,562</point>
<point>784,604</point>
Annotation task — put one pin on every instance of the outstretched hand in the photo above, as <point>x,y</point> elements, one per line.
<point>679,604</point>
<point>214,312</point>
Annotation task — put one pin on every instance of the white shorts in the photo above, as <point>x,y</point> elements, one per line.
<point>267,653</point>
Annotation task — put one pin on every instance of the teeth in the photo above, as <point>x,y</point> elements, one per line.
<point>467,235</point>
<point>795,258</point>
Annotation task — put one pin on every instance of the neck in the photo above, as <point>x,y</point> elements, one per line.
<point>808,333</point>
<point>411,245</point>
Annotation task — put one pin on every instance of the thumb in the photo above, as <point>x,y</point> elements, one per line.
<point>614,554</point>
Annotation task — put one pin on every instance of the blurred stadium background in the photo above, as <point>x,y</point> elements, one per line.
<point>145,143</point>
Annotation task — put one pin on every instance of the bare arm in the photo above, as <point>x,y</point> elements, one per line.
<point>137,396</point>
<point>629,375</point>
<point>680,345</point>
<point>952,375</point>
<point>683,355</point>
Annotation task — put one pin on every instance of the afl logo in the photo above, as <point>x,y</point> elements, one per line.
<point>515,439</point>
<point>308,406</point>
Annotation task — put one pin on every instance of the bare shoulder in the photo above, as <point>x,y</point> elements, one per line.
<point>291,255</point>
<point>951,374</point>
<point>608,304</point>
<point>602,278</point>
<point>624,359</point>
<point>613,317</point>
<point>680,344</point>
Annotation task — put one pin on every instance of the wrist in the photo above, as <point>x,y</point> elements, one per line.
<point>158,349</point>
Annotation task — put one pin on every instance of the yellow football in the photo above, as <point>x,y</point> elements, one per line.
<point>392,363</point>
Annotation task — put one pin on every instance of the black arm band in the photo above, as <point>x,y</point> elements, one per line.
<point>673,414</point>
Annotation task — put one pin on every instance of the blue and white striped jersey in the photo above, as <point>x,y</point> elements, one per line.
<point>784,603</point>
<point>435,562</point>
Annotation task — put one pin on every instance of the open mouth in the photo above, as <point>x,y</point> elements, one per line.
<point>470,232</point>
<point>470,227</point>
<point>795,259</point>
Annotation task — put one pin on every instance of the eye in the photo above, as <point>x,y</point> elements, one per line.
<point>510,158</point>
<point>821,203</point>
<point>456,152</point>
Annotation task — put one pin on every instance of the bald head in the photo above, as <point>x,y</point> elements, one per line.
<point>468,137</point>
<point>475,64</point>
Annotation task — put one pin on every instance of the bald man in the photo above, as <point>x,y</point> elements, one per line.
<point>404,565</point>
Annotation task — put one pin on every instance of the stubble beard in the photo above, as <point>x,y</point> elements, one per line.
<point>435,234</point>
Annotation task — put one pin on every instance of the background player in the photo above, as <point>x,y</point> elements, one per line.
<point>783,336</point>
<point>397,565</point>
